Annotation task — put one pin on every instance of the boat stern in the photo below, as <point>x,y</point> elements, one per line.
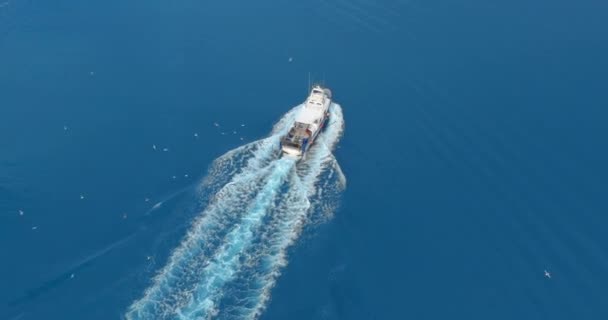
<point>291,152</point>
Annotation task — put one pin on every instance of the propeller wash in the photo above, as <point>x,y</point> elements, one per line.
<point>230,259</point>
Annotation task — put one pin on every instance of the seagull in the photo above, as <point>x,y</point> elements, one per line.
<point>242,124</point>
<point>166,149</point>
<point>34,227</point>
<point>21,212</point>
<point>186,175</point>
<point>81,197</point>
<point>196,135</point>
<point>154,146</point>
<point>72,276</point>
<point>547,274</point>
<point>216,124</point>
<point>65,128</point>
<point>290,59</point>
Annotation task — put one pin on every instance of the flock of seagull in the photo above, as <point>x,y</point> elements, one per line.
<point>547,274</point>
<point>21,212</point>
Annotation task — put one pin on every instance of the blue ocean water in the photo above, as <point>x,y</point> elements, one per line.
<point>474,154</point>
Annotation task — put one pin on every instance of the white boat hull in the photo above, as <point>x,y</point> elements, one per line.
<point>309,123</point>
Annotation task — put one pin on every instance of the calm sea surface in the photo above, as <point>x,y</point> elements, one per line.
<point>474,152</point>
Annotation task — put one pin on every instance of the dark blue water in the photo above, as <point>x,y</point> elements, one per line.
<point>475,151</point>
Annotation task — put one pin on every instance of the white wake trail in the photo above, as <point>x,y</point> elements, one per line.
<point>225,262</point>
<point>256,205</point>
<point>304,197</point>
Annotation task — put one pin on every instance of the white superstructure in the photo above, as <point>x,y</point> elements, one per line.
<point>309,121</point>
